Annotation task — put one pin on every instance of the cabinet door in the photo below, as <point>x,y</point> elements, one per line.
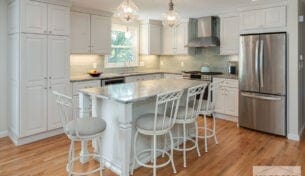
<point>58,20</point>
<point>229,35</point>
<point>219,100</point>
<point>34,17</point>
<point>58,59</point>
<point>80,33</point>
<point>231,105</point>
<point>155,39</point>
<point>33,60</point>
<point>33,115</point>
<point>168,35</point>
<point>100,35</point>
<point>54,117</point>
<point>251,19</point>
<point>275,17</point>
<point>181,38</point>
<point>33,73</point>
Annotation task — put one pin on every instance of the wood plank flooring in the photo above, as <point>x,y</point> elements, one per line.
<point>238,150</point>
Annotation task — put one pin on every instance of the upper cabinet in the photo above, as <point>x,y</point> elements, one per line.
<point>263,18</point>
<point>90,33</point>
<point>38,18</point>
<point>229,35</point>
<point>175,39</point>
<point>150,37</point>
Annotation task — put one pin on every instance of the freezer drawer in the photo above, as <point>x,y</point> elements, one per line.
<point>262,112</point>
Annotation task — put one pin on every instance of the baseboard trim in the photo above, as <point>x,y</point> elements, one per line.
<point>26,140</point>
<point>226,117</point>
<point>3,134</point>
<point>294,137</point>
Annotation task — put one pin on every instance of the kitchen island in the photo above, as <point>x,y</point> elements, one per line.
<point>120,105</point>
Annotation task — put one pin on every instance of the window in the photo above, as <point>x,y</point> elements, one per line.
<point>124,47</point>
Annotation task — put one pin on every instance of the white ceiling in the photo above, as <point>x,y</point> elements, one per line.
<point>186,8</point>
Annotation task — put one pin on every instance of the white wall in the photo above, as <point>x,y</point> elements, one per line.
<point>3,71</point>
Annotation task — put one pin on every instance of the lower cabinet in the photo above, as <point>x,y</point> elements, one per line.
<point>226,97</point>
<point>143,77</point>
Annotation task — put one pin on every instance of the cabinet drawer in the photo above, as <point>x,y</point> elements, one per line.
<point>227,82</point>
<point>85,85</point>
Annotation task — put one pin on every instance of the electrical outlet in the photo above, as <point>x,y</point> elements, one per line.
<point>182,64</point>
<point>161,63</point>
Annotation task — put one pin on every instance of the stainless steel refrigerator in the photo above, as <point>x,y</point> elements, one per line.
<point>262,82</point>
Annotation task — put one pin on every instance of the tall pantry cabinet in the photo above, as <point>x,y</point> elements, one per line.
<point>38,63</point>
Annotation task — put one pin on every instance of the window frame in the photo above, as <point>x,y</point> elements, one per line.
<point>135,63</point>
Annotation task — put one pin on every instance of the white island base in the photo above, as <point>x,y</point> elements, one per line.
<point>120,113</point>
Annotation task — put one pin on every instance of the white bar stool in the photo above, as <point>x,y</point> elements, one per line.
<point>80,129</point>
<point>188,114</point>
<point>208,108</point>
<point>158,124</point>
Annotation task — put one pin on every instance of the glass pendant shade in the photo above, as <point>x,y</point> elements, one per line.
<point>171,18</point>
<point>127,11</point>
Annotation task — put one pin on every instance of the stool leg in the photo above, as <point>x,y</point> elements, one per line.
<point>99,146</point>
<point>70,160</point>
<point>134,152</point>
<point>165,146</point>
<point>184,145</point>
<point>214,129</point>
<point>196,138</point>
<point>155,156</point>
<point>205,134</point>
<point>172,152</point>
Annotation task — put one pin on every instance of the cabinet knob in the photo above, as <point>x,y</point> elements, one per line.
<point>45,78</point>
<point>50,77</point>
<point>45,32</point>
<point>50,32</point>
<point>50,87</point>
<point>45,88</point>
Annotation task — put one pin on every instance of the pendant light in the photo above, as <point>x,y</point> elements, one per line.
<point>171,18</point>
<point>127,11</point>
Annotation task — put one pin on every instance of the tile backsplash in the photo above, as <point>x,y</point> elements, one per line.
<point>81,64</point>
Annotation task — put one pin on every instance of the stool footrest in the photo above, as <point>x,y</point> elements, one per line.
<point>186,149</point>
<point>150,151</point>
<point>83,173</point>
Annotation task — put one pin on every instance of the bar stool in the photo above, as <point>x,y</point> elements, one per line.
<point>157,124</point>
<point>208,108</point>
<point>188,114</point>
<point>79,130</point>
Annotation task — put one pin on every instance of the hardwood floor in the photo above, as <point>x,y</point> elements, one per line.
<point>238,150</point>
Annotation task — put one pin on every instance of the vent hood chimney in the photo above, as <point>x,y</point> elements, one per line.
<point>207,34</point>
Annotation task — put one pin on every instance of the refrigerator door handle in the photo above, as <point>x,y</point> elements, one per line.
<point>256,59</point>
<point>271,98</point>
<point>261,55</point>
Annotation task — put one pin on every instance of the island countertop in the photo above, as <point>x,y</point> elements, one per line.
<point>141,90</point>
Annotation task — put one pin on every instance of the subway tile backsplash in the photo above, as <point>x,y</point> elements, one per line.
<point>81,64</point>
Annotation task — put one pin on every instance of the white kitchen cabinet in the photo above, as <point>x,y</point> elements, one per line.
<point>39,17</point>
<point>229,35</point>
<point>264,18</point>
<point>80,33</point>
<point>40,64</point>
<point>175,39</point>
<point>58,20</point>
<point>100,35</point>
<point>143,77</point>
<point>34,17</point>
<point>226,98</point>
<point>150,37</point>
<point>90,33</point>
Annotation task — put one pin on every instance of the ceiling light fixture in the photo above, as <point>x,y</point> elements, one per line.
<point>127,11</point>
<point>171,18</point>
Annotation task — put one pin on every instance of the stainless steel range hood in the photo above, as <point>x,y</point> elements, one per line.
<point>207,34</point>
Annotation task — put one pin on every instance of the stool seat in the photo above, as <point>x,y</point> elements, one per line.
<point>146,122</point>
<point>86,126</point>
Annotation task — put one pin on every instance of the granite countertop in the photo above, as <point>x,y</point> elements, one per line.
<point>116,75</point>
<point>141,90</point>
<point>226,76</point>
